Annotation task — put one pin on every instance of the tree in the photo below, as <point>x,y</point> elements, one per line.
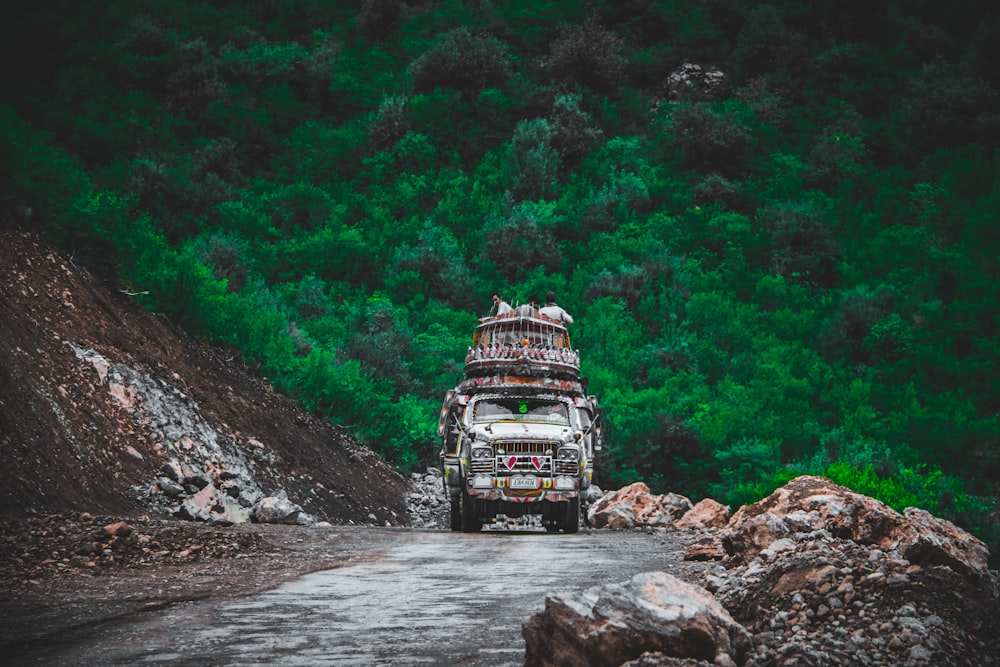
<point>588,56</point>
<point>847,330</point>
<point>390,123</point>
<point>378,19</point>
<point>711,138</point>
<point>805,248</point>
<point>434,267</point>
<point>574,131</point>
<point>946,107</point>
<point>766,45</point>
<point>464,61</point>
<point>534,162</point>
<point>380,344</point>
<point>839,152</point>
<point>226,255</point>
<point>521,240</point>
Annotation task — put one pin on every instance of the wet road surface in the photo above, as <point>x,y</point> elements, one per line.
<point>426,598</point>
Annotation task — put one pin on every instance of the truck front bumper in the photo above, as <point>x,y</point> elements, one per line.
<point>523,488</point>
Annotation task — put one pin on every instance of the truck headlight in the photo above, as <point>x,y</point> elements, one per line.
<point>480,453</point>
<point>569,454</point>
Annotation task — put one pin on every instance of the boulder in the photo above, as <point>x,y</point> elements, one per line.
<point>176,471</point>
<point>117,529</point>
<point>169,487</point>
<point>707,548</point>
<point>693,78</point>
<point>614,623</point>
<point>277,508</point>
<point>810,504</point>
<point>198,506</point>
<point>591,494</point>
<point>212,506</point>
<point>706,514</point>
<point>752,534</point>
<point>925,540</point>
<point>806,504</point>
<point>615,517</point>
<point>634,506</point>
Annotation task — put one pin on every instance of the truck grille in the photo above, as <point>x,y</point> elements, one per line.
<point>529,446</point>
<point>514,464</point>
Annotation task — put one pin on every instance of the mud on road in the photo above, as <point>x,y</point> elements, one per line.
<point>63,577</point>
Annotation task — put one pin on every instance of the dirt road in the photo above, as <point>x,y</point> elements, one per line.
<point>413,598</point>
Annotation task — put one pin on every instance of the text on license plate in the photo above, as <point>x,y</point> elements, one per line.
<point>521,482</point>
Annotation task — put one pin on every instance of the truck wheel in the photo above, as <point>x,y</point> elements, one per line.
<point>456,514</point>
<point>470,519</point>
<point>571,522</point>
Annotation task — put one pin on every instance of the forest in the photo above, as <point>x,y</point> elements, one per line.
<point>774,224</point>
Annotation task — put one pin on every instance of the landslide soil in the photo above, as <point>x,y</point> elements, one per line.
<point>78,545</point>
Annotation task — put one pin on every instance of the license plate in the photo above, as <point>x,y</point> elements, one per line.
<point>523,483</point>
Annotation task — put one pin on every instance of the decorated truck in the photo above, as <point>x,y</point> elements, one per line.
<point>519,433</point>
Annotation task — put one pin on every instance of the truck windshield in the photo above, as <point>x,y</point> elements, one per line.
<point>521,409</point>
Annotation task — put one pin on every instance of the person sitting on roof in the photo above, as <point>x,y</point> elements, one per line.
<point>528,309</point>
<point>554,312</point>
<point>501,306</point>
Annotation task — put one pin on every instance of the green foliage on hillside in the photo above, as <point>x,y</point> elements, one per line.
<point>775,224</point>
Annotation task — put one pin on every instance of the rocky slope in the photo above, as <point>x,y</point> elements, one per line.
<point>105,407</point>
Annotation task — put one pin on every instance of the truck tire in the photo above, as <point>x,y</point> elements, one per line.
<point>571,522</point>
<point>456,514</point>
<point>552,516</point>
<point>470,518</point>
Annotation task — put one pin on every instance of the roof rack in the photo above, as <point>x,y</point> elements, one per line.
<point>525,344</point>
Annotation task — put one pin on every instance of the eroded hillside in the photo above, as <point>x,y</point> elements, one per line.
<point>105,407</point>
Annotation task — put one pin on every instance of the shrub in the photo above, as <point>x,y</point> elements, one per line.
<point>225,254</point>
